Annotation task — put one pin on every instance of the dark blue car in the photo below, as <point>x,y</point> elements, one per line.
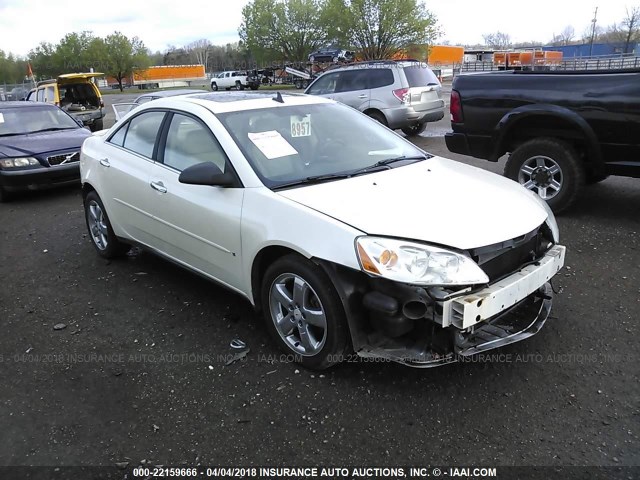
<point>39,147</point>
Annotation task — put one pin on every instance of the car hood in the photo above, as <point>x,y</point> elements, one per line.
<point>437,201</point>
<point>35,144</point>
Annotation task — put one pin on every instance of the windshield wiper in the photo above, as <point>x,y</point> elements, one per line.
<point>314,179</point>
<point>51,129</point>
<point>388,161</point>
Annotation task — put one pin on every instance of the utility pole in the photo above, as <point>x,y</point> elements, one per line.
<point>593,30</point>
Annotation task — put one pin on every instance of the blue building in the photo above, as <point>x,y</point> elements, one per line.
<point>599,49</point>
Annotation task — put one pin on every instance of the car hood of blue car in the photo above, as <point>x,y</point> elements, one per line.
<point>37,144</point>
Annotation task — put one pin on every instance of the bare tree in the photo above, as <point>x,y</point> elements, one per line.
<point>497,40</point>
<point>631,23</point>
<point>199,51</point>
<point>565,37</point>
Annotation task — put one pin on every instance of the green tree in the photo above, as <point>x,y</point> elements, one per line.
<point>379,28</point>
<point>123,56</point>
<point>283,29</point>
<point>43,61</point>
<point>79,52</point>
<point>12,68</point>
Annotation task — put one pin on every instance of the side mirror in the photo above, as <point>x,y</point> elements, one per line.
<point>206,173</point>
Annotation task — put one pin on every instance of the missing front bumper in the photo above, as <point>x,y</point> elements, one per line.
<point>517,323</point>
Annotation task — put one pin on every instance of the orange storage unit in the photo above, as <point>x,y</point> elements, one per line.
<point>445,55</point>
<point>169,72</point>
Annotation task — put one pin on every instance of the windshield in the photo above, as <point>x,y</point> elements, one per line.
<point>17,121</point>
<point>289,144</point>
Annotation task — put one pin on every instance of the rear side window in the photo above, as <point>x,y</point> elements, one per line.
<point>142,133</point>
<point>380,77</point>
<point>420,76</point>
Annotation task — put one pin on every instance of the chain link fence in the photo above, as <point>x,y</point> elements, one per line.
<point>14,91</point>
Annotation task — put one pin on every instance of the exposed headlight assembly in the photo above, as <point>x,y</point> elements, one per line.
<point>416,263</point>
<point>19,162</point>
<point>551,218</point>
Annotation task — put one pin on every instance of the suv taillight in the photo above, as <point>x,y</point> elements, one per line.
<point>456,107</point>
<point>402,94</point>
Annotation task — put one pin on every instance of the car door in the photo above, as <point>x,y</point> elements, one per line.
<point>124,171</point>
<point>352,89</point>
<point>347,86</point>
<point>197,225</point>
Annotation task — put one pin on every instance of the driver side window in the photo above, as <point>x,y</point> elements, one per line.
<point>324,85</point>
<point>189,142</point>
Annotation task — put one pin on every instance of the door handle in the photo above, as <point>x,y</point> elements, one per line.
<point>363,96</point>
<point>105,162</point>
<point>159,186</point>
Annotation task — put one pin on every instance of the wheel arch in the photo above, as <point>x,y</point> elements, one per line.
<point>265,257</point>
<point>86,189</point>
<point>533,121</point>
<point>350,285</point>
<point>376,111</point>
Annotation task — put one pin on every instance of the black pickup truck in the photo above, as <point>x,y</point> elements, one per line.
<point>561,129</point>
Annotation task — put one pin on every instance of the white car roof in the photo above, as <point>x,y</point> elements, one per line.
<point>221,102</point>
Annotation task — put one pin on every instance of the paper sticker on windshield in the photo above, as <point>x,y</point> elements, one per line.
<point>300,125</point>
<point>1,118</point>
<point>272,144</point>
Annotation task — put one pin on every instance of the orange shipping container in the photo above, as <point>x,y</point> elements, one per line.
<point>445,55</point>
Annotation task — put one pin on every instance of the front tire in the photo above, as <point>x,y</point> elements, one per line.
<point>97,125</point>
<point>303,312</point>
<point>550,168</point>
<point>414,130</point>
<point>104,240</point>
<point>214,86</point>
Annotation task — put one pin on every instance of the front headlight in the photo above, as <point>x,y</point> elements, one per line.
<point>416,263</point>
<point>19,162</point>
<point>551,218</point>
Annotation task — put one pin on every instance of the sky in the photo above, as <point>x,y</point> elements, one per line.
<point>163,23</point>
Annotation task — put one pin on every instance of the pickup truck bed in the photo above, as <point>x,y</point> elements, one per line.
<point>561,129</point>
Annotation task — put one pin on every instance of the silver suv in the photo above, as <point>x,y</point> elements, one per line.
<point>399,94</point>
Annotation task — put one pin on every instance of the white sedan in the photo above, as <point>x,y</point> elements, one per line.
<point>348,238</point>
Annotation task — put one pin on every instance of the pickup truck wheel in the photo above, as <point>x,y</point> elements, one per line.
<point>414,130</point>
<point>239,85</point>
<point>214,86</point>
<point>550,168</point>
<point>303,312</point>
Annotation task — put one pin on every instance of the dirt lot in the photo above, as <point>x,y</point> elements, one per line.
<point>139,374</point>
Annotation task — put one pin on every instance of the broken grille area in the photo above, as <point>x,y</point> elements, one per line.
<point>504,258</point>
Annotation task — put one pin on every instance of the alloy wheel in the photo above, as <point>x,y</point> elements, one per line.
<point>298,314</point>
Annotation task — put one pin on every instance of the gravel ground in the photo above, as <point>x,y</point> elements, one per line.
<point>126,361</point>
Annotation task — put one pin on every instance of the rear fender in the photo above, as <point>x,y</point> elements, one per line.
<point>509,123</point>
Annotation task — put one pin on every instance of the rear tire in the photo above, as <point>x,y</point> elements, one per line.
<point>100,232</point>
<point>414,130</point>
<point>303,312</point>
<point>378,117</point>
<point>239,86</point>
<point>550,168</point>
